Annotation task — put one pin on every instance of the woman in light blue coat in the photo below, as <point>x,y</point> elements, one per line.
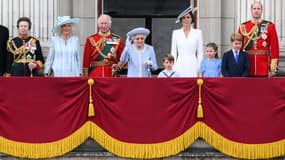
<point>64,58</point>
<point>139,56</point>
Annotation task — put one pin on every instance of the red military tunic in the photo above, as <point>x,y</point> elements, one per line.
<point>100,53</point>
<point>260,41</point>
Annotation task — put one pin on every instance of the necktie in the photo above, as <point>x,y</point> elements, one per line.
<point>236,56</point>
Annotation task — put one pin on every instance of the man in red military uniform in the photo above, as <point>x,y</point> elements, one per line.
<point>260,41</point>
<point>102,50</point>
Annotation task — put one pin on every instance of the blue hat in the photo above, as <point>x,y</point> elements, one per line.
<point>182,14</point>
<point>136,31</point>
<point>64,20</point>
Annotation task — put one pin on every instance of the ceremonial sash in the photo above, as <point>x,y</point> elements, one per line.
<point>254,34</point>
<point>103,53</point>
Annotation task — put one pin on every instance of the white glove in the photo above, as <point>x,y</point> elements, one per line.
<point>128,42</point>
<point>148,62</point>
<point>32,66</point>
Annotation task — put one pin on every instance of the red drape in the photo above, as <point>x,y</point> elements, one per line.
<point>145,110</point>
<point>249,110</point>
<point>40,110</point>
<point>142,111</point>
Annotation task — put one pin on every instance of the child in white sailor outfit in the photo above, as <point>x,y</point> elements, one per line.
<point>168,72</point>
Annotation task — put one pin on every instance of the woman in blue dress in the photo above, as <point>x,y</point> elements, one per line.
<point>64,59</point>
<point>139,56</point>
<point>211,65</point>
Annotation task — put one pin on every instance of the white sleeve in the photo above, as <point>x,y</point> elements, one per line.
<point>174,46</point>
<point>50,57</point>
<point>200,52</point>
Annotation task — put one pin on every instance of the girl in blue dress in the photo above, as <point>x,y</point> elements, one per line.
<point>211,65</point>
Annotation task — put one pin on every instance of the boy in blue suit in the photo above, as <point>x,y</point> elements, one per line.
<point>235,63</point>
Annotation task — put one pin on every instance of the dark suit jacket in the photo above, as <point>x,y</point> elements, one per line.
<point>232,69</point>
<point>4,36</point>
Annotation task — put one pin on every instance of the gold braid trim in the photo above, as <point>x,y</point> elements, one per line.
<point>249,35</point>
<point>11,47</point>
<point>17,52</point>
<point>97,45</point>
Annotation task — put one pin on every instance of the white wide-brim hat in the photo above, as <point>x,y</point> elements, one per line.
<point>137,31</point>
<point>190,9</point>
<point>64,20</point>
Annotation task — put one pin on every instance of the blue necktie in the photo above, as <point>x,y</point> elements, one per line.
<point>236,56</point>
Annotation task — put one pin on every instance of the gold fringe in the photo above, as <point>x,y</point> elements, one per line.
<point>200,113</point>
<point>176,145</point>
<point>45,150</point>
<point>91,110</point>
<point>241,150</point>
<point>144,151</point>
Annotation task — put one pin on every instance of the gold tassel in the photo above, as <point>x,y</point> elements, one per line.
<point>200,113</point>
<point>91,110</point>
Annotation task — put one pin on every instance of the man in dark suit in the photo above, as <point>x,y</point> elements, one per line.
<point>4,36</point>
<point>235,63</point>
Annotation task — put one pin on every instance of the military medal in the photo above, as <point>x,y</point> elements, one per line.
<point>29,57</point>
<point>111,41</point>
<point>264,44</point>
<point>264,36</point>
<point>262,28</point>
<point>109,55</point>
<point>255,44</point>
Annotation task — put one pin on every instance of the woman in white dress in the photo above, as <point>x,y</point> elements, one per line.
<point>187,46</point>
<point>64,59</point>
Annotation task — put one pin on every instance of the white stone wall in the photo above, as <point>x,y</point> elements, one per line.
<point>41,12</point>
<point>220,18</point>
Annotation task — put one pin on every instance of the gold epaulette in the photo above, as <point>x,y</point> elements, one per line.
<point>249,21</point>
<point>36,39</point>
<point>115,35</point>
<point>91,36</point>
<point>11,47</point>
